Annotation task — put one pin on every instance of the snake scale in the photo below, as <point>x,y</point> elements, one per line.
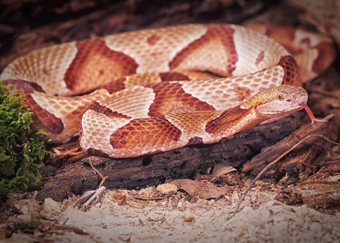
<point>147,91</point>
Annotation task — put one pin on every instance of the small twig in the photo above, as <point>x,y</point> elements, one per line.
<point>67,146</point>
<point>89,196</point>
<point>77,153</point>
<point>272,163</point>
<point>239,179</point>
<point>80,155</point>
<point>94,168</point>
<point>103,178</point>
<point>69,151</point>
<point>307,165</point>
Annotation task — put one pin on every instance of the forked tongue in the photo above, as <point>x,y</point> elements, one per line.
<point>309,112</point>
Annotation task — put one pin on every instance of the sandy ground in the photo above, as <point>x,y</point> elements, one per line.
<point>174,219</point>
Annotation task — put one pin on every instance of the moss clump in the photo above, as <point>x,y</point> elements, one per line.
<point>21,149</point>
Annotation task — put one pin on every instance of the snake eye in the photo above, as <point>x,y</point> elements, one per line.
<point>279,96</point>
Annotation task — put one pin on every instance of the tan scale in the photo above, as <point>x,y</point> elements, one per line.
<point>249,44</point>
<point>305,62</point>
<point>194,75</point>
<point>98,129</point>
<point>141,79</point>
<point>200,57</point>
<point>69,109</point>
<point>302,44</point>
<point>133,102</point>
<point>45,67</point>
<point>155,56</point>
<point>186,122</point>
<point>313,40</point>
<point>154,77</point>
<point>223,93</point>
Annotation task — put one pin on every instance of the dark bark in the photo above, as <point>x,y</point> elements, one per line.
<point>319,191</point>
<point>156,169</point>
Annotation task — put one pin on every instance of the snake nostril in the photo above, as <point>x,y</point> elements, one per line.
<point>288,100</point>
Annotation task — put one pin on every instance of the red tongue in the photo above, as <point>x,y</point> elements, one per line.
<point>309,112</point>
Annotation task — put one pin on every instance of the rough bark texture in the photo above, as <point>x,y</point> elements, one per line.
<point>320,191</point>
<point>156,169</point>
<point>270,153</point>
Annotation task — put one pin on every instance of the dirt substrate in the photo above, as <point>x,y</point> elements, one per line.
<point>129,216</point>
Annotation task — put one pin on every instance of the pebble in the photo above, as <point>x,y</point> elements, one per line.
<point>50,205</point>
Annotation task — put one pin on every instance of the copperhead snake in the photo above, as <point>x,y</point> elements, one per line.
<point>126,95</point>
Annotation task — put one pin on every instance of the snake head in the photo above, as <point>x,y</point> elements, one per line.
<point>278,101</point>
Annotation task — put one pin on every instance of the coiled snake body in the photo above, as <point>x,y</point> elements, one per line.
<point>159,89</point>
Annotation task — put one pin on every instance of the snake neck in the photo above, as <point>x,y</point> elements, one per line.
<point>267,104</point>
<point>234,121</point>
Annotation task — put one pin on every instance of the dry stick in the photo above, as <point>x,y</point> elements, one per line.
<point>103,178</point>
<point>276,160</point>
<point>89,196</point>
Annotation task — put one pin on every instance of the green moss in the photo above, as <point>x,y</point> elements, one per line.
<point>33,224</point>
<point>21,149</point>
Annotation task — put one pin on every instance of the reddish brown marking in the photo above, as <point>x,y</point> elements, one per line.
<point>46,71</point>
<point>106,111</point>
<point>23,86</point>
<point>291,71</point>
<point>42,118</point>
<point>242,93</point>
<point>37,87</point>
<point>326,54</point>
<point>96,47</point>
<point>195,140</point>
<point>153,39</point>
<point>154,131</point>
<point>92,151</point>
<point>170,97</point>
<point>260,57</point>
<point>221,31</point>
<point>226,120</point>
<point>115,85</point>
<point>279,31</point>
<point>173,76</point>
<point>306,41</point>
<point>285,36</point>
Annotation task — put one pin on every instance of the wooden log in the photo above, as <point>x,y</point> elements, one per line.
<point>270,153</point>
<point>320,191</point>
<point>155,169</point>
